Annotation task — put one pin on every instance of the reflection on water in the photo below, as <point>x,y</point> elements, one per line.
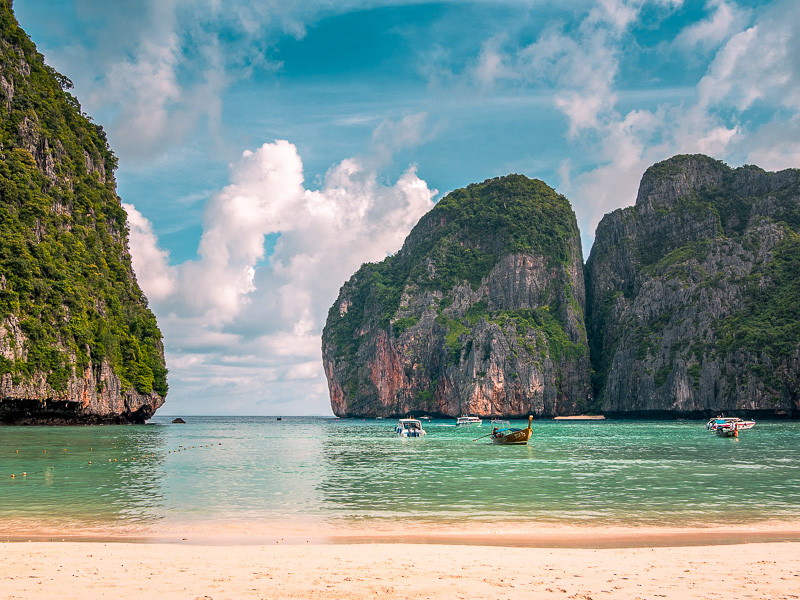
<point>253,471</point>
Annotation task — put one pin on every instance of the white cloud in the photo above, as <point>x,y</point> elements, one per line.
<point>724,20</point>
<point>235,301</point>
<point>580,65</point>
<point>390,136</point>
<point>145,90</point>
<point>150,263</point>
<point>492,64</point>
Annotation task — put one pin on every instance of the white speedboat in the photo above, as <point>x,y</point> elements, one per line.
<point>729,426</point>
<point>409,428</point>
<point>465,420</point>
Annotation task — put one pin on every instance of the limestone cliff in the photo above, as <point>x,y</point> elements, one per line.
<point>480,312</point>
<point>693,293</point>
<point>77,341</point>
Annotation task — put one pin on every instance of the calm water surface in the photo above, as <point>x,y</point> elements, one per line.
<point>235,469</point>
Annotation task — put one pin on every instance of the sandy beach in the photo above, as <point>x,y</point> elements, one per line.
<point>610,565</point>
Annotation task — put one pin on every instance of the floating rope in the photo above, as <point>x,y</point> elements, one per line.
<point>180,448</point>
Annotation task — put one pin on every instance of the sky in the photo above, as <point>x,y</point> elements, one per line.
<point>269,148</point>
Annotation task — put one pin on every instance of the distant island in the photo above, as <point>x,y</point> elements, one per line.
<point>78,343</point>
<point>687,305</point>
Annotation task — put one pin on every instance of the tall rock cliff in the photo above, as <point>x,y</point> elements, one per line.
<point>77,341</point>
<point>480,312</point>
<point>693,293</point>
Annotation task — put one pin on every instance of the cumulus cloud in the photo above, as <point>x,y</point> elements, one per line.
<point>235,301</point>
<point>149,261</point>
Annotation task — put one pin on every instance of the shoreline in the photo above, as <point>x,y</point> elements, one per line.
<point>512,535</point>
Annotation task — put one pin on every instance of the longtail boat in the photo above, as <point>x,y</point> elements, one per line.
<point>502,433</point>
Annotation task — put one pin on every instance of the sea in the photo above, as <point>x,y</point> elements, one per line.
<point>251,474</point>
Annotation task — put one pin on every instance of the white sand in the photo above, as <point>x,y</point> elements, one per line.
<point>88,570</point>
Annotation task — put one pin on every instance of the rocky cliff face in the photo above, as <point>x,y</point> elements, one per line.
<point>693,293</point>
<point>480,312</point>
<point>77,341</point>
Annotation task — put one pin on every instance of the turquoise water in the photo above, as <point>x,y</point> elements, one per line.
<point>236,470</point>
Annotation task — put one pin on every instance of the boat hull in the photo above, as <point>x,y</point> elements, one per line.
<point>516,437</point>
<point>727,432</point>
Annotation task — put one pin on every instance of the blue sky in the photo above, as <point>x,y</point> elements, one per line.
<point>268,148</point>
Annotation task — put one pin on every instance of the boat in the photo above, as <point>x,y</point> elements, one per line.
<point>465,420</point>
<point>581,418</point>
<point>409,428</point>
<point>729,426</point>
<point>502,433</point>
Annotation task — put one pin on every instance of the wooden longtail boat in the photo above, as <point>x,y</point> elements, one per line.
<point>502,433</point>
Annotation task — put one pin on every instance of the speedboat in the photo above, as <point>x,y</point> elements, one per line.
<point>409,428</point>
<point>741,424</point>
<point>465,420</point>
<point>729,426</point>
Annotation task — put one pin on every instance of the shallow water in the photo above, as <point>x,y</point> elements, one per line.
<point>300,469</point>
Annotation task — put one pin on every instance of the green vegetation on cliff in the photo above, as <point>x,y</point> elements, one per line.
<point>65,272</point>
<point>770,320</point>
<point>459,240</point>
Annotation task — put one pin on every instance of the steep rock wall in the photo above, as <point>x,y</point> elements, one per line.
<point>481,312</point>
<point>692,293</point>
<point>78,343</point>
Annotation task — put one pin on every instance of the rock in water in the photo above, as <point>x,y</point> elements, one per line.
<point>77,341</point>
<point>693,293</point>
<point>480,312</point>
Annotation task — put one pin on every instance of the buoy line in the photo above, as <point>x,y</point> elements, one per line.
<point>141,457</point>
